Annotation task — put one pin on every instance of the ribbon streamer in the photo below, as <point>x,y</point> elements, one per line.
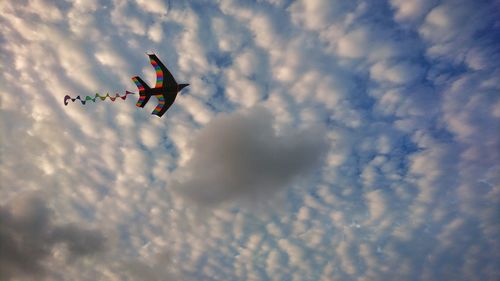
<point>89,98</point>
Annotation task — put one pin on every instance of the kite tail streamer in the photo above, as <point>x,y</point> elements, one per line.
<point>89,98</point>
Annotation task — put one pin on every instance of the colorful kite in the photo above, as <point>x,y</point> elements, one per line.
<point>165,90</point>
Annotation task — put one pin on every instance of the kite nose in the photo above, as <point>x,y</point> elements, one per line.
<point>182,86</point>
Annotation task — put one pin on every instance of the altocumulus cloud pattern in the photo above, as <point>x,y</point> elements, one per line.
<point>318,140</point>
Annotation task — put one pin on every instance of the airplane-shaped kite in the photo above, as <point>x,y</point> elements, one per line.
<point>165,90</point>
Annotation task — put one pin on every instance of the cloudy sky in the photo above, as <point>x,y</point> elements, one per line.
<point>318,140</point>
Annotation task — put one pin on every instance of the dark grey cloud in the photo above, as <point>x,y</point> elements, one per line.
<point>241,155</point>
<point>28,236</point>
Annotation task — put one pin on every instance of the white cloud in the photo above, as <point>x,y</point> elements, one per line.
<point>376,204</point>
<point>354,44</point>
<point>401,73</point>
<point>195,107</point>
<point>317,14</point>
<point>152,6</point>
<point>155,33</point>
<point>150,137</point>
<point>229,38</point>
<point>411,10</point>
<point>443,22</point>
<point>46,10</point>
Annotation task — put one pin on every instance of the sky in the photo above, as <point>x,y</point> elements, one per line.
<point>317,140</point>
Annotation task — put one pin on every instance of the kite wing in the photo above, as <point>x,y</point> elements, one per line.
<point>162,73</point>
<point>161,108</point>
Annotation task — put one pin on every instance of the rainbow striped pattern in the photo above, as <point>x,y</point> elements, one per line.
<point>138,84</point>
<point>161,104</point>
<point>89,98</point>
<point>159,74</point>
<point>141,100</point>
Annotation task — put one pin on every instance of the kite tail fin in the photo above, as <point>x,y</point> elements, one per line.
<point>143,88</point>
